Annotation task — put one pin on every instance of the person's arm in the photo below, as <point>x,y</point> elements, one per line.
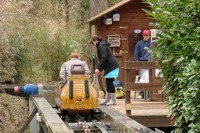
<point>62,75</point>
<point>136,52</point>
<point>103,52</point>
<point>87,71</point>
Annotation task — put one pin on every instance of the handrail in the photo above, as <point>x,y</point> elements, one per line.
<point>130,86</point>
<point>53,122</point>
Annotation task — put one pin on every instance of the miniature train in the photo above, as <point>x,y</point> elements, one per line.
<point>78,95</point>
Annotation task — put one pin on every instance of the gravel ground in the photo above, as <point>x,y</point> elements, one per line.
<point>13,113</point>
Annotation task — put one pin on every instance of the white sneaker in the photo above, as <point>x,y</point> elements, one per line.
<point>103,103</point>
<point>111,103</point>
<point>139,97</point>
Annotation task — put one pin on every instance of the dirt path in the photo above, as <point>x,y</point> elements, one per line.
<point>13,113</point>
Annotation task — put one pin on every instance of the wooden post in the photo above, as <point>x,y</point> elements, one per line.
<point>33,124</point>
<point>28,120</point>
<point>131,86</point>
<point>150,81</point>
<point>127,85</point>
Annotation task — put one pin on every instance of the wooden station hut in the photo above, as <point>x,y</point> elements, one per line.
<point>121,25</point>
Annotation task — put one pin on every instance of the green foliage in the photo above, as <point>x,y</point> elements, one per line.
<point>39,38</point>
<point>19,56</point>
<point>13,14</point>
<point>113,2</point>
<point>178,53</point>
<point>44,42</point>
<point>48,49</point>
<point>85,10</point>
<point>46,52</point>
<point>7,69</point>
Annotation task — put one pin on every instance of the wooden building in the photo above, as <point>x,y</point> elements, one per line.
<point>121,25</point>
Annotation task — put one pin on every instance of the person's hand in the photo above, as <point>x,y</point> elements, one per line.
<point>60,87</point>
<point>97,71</point>
<point>60,90</point>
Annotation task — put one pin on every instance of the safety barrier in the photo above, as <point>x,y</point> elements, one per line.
<point>152,86</point>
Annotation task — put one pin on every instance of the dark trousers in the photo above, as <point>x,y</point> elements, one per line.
<point>141,93</point>
<point>110,86</point>
<point>141,72</point>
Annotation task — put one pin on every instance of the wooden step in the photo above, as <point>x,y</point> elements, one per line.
<point>146,106</point>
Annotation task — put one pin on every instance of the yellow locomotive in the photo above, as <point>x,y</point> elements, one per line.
<point>78,95</point>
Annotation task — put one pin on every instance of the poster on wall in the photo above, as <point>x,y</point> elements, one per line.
<point>114,40</point>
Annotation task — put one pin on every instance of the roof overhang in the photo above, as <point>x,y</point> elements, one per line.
<point>114,7</point>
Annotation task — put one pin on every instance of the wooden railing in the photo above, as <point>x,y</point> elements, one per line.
<point>153,85</point>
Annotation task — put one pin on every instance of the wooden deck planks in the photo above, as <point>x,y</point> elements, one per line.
<point>148,113</point>
<point>131,125</point>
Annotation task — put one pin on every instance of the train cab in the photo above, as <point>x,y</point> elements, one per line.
<point>78,95</point>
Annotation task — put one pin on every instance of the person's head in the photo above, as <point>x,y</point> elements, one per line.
<point>146,35</point>
<point>74,55</point>
<point>94,40</point>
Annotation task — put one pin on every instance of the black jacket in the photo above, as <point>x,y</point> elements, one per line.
<point>107,60</point>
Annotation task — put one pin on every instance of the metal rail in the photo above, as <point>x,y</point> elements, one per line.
<point>103,129</point>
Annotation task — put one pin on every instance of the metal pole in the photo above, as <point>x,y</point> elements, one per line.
<point>28,120</point>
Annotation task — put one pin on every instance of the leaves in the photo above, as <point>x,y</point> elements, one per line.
<point>178,53</point>
<point>36,40</point>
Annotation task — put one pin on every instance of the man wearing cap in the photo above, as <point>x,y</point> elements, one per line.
<point>140,54</point>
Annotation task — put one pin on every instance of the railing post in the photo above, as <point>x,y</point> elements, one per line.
<point>127,86</point>
<point>131,86</point>
<point>150,81</point>
<point>34,126</point>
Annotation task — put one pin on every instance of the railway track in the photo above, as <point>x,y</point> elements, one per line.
<point>91,127</point>
<point>81,124</point>
<point>106,120</point>
<point>86,124</point>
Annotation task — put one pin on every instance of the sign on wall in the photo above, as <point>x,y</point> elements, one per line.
<point>114,40</point>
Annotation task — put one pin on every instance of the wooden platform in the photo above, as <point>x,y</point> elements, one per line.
<point>121,121</point>
<point>149,114</point>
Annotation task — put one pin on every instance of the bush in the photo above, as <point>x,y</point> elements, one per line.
<point>178,53</point>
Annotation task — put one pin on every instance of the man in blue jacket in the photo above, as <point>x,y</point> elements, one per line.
<point>140,54</point>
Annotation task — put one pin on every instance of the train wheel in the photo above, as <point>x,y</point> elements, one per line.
<point>92,113</point>
<point>63,114</point>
